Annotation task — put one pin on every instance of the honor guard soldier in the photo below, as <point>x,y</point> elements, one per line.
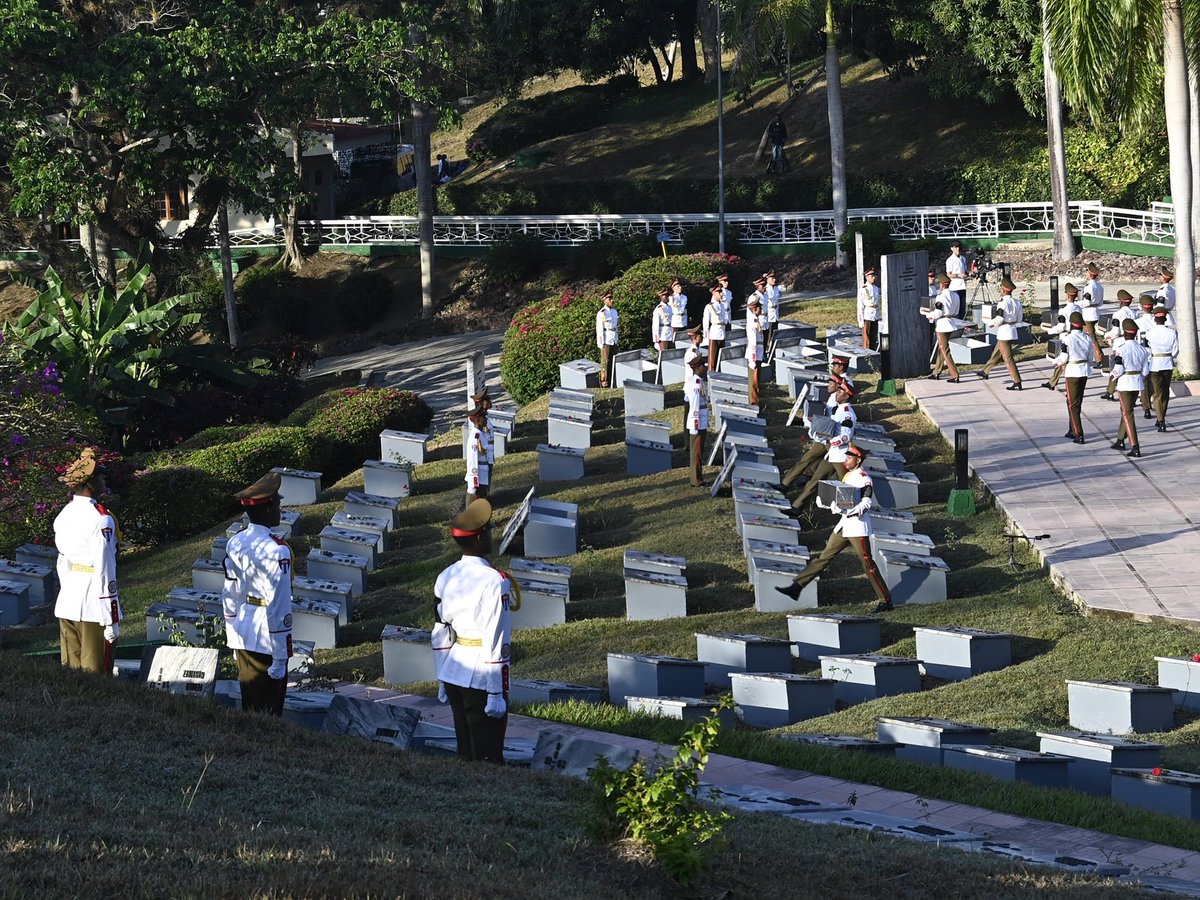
<point>481,454</point>
<point>727,296</point>
<point>1076,360</point>
<point>838,408</point>
<point>868,310</point>
<point>695,394</point>
<point>714,324</point>
<point>1163,343</point>
<point>661,332</point>
<point>839,372</point>
<point>756,324</point>
<point>1008,314</point>
<point>1145,322</point>
<point>941,312</point>
<point>956,270</point>
<point>472,638</point>
<point>679,301</point>
<point>771,295</point>
<point>1062,327</point>
<point>1115,336</point>
<point>693,348</point>
<point>88,608</point>
<point>935,287</point>
<point>608,338</point>
<point>1093,299</point>
<point>257,599</point>
<point>1165,297</point>
<point>829,466</point>
<point>852,530</point>
<point>1131,364</point>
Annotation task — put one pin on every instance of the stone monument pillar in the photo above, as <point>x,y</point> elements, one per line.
<point>909,339</point>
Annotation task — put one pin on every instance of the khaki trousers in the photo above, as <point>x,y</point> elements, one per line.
<point>752,383</point>
<point>1160,388</point>
<point>696,457</point>
<point>1128,426</point>
<point>714,352</point>
<point>862,549</point>
<point>82,646</point>
<point>824,470</point>
<point>1075,388</point>
<point>812,456</point>
<point>944,360</point>
<point>607,352</point>
<point>1003,351</point>
<point>260,692</point>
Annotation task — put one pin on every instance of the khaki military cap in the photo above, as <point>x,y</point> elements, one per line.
<point>262,491</point>
<point>472,520</point>
<point>1007,284</point>
<point>81,470</point>
<point>1124,296</point>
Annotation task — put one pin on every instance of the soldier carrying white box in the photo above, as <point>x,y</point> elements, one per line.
<point>480,453</point>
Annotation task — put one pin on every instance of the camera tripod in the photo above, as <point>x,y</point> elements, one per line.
<point>1012,538</point>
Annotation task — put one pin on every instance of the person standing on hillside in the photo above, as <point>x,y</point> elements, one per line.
<point>88,607</point>
<point>777,134</point>
<point>771,295</point>
<point>868,310</point>
<point>714,323</point>
<point>661,332</point>
<point>755,326</point>
<point>727,297</point>
<point>695,394</point>
<point>679,303</point>
<point>608,338</point>
<point>956,269</point>
<point>481,454</point>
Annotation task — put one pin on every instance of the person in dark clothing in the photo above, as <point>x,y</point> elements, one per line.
<point>777,132</point>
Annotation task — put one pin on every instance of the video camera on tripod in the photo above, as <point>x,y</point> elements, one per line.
<point>982,265</point>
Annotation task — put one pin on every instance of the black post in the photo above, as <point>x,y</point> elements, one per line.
<point>1053,298</point>
<point>961,478</point>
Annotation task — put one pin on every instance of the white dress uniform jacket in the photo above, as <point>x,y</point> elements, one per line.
<point>942,312</point>
<point>840,412</point>
<point>839,444</point>
<point>660,324</point>
<point>695,393</point>
<point>678,310</point>
<point>689,354</point>
<point>1163,342</point>
<point>257,596</point>
<point>606,327</point>
<point>1091,310</point>
<point>1076,354</point>
<point>1130,372</point>
<point>856,521</point>
<point>86,538</point>
<point>956,268</point>
<point>868,303</point>
<point>473,600</point>
<point>481,455</point>
<point>1166,296</point>
<point>714,320</point>
<point>1008,314</point>
<point>754,336</point>
<point>1114,326</point>
<point>727,297</point>
<point>771,303</point>
<point>1064,315</point>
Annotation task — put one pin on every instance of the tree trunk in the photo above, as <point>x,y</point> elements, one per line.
<point>421,171</point>
<point>706,17</point>
<point>231,316</point>
<point>1194,145</point>
<point>1064,239</point>
<point>658,72</point>
<point>1175,101</point>
<point>293,258</point>
<point>837,139</point>
<point>685,30</point>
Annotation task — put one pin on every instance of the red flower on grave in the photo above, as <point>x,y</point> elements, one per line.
<point>1156,771</point>
<point>1196,657</point>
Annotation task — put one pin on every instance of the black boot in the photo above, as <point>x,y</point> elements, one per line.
<point>1135,451</point>
<point>792,591</point>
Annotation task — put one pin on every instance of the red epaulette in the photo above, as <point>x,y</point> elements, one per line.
<point>100,509</point>
<point>280,541</point>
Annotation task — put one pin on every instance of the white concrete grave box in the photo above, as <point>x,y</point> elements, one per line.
<point>673,369</point>
<point>217,548</point>
<point>722,381</point>
<point>844,742</point>
<point>768,576</point>
<point>885,462</point>
<point>1094,755</point>
<point>501,434</point>
<point>1119,707</point>
<point>772,700</point>
<point>359,503</point>
<point>1182,675</point>
<point>873,444</point>
<point>316,620</point>
<point>1159,790</point>
<point>748,471</point>
<point>402,446</point>
<point>644,457</point>
<point>186,671</point>
<point>165,616</point>
<point>868,676</point>
<point>38,555</point>
<point>298,487</point>
<point>1048,770</point>
<point>325,565</point>
<point>552,529</point>
<point>43,584</point>
<point>913,579</point>
<point>861,359</point>
<point>407,655</point>
<point>898,542</point>
<point>386,723</point>
<point>641,429</point>
<point>580,374</point>
<point>642,675</point>
<point>724,652</point>
<point>287,523</point>
<point>774,550</point>
<point>634,365</point>
<point>581,400</point>
<point>642,398</point>
<point>969,351</point>
<point>760,505</point>
<point>654,595</point>
<point>733,365</point>
<point>543,605</point>
<point>654,562</point>
<point>776,529</point>
<point>208,575</point>
<point>955,653</point>
<point>736,423</point>
<point>377,526</point>
<point>893,521</point>
<point>559,463</point>
<point>569,430</point>
<point>526,690</point>
<point>14,602</point>
<point>387,479</point>
<point>896,490</point>
<point>568,406</point>
<point>338,592</point>
<point>354,543</point>
<point>536,570</point>
<point>685,709</point>
<point>924,740</point>
<point>757,454</point>
<point>209,601</point>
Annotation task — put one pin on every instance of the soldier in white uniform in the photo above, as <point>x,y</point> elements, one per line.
<point>257,599</point>
<point>727,296</point>
<point>838,408</point>
<point>714,323</point>
<point>830,466</point>
<point>88,607</point>
<point>1131,364</point>
<point>1115,336</point>
<point>956,269</point>
<point>1163,343</point>
<point>481,454</point>
<point>661,332</point>
<point>1145,321</point>
<point>852,530</point>
<point>1008,314</point>
<point>692,351</point>
<point>1093,299</point>
<point>935,286</point>
<point>695,394</point>
<point>1076,360</point>
<point>679,302</point>
<point>608,338</point>
<point>1165,296</point>
<point>771,295</point>
<point>756,324</point>
<point>1061,328</point>
<point>868,310</point>
<point>941,313</point>
<point>472,638</point>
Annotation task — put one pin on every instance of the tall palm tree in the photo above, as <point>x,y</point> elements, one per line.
<point>1064,240</point>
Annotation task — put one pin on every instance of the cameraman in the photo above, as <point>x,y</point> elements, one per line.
<point>956,271</point>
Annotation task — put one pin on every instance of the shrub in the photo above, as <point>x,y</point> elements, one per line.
<point>362,299</point>
<point>238,463</point>
<point>405,203</point>
<point>706,239</point>
<point>215,435</point>
<point>350,423</point>
<point>152,512</point>
<point>610,254</point>
<point>209,301</point>
<point>877,240</point>
<point>517,257</point>
<point>270,294</point>
<point>520,123</point>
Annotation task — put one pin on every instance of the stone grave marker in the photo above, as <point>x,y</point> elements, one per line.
<point>377,526</point>
<point>644,675</point>
<point>767,575</point>
<point>1048,770</point>
<point>724,653</point>
<point>896,490</point>
<point>913,579</point>
<point>903,285</point>
<point>772,700</point>
<point>642,398</point>
<point>924,739</point>
<point>654,562</point>
<point>653,595</point>
<point>41,580</point>
<point>1094,755</point>
<point>316,620</point>
<point>1182,675</point>
<point>387,479</point>
<point>643,457</point>
<point>576,756</point>
<point>516,523</point>
<point>476,376</point>
<point>868,676</point>
<point>569,430</point>
<point>208,575</point>
<point>402,446</point>
<point>845,742</point>
<point>580,374</point>
<point>14,602</point>
<point>526,690</point>
<point>551,529</point>
<point>1119,707</point>
<point>1159,790</point>
<point>339,593</point>
<point>955,653</point>
<point>187,671</point>
<point>899,542</point>
<point>387,723</point>
<point>407,655</point>
<point>298,487</point>
<point>543,605</point>
<point>559,463</point>
<point>352,543</point>
<point>654,430</point>
<point>685,709</point>
<point>776,529</point>
<point>326,565</point>
<point>634,365</point>
<point>359,503</point>
<point>539,570</point>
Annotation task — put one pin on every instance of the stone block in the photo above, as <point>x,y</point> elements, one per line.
<point>844,742</point>
<point>288,518</point>
<point>736,423</point>
<point>208,575</point>
<point>758,454</point>
<point>359,503</point>
<point>526,690</point>
<point>316,620</point>
<point>386,723</point>
<point>38,555</point>
<point>569,430</point>
<point>407,655</point>
<point>748,471</point>
<point>896,490</point>
<point>732,365</point>
<point>775,529</point>
<point>893,521</point>
<point>685,709</point>
<point>861,359</point>
<point>760,549</point>
<point>724,652</point>
<point>1170,792</point>
<point>559,463</point>
<point>402,446</point>
<point>654,562</point>
<point>14,602</point>
<point>217,548</point>
<point>766,575</point>
<point>186,671</point>
<point>1119,707</point>
<point>538,570</point>
<point>543,605</point>
<point>898,542</point>
<point>634,365</point>
<point>924,740</point>
<point>1048,770</point>
<point>913,579</point>
<point>576,756</point>
<point>653,430</point>
<point>43,583</point>
<point>642,675</point>
<point>351,543</point>
<point>969,351</point>
<point>209,601</point>
<point>1182,675</point>
<point>758,503</point>
<point>298,487</point>
<point>583,400</point>
<point>672,367</point>
<point>337,592</point>
<point>1094,755</point>
<point>956,653</point>
<point>868,676</point>
<point>874,443</point>
<point>885,462</point>
<point>642,398</point>
<point>325,565</point>
<point>580,373</point>
<point>552,529</point>
<point>378,526</point>
<point>387,479</point>
<point>654,595</point>
<point>772,700</point>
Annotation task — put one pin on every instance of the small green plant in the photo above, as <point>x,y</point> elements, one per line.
<point>658,804</point>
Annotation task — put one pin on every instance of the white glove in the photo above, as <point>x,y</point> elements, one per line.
<point>278,669</point>
<point>442,698</point>
<point>496,707</point>
<point>835,508</point>
<point>112,632</point>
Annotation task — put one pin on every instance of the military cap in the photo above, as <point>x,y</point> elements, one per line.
<point>1166,273</point>
<point>955,243</point>
<point>770,274</point>
<point>607,295</point>
<point>717,289</point>
<point>695,331</point>
<point>481,397</point>
<point>854,450</point>
<point>870,271</point>
<point>1129,326</point>
<point>262,491</point>
<point>1077,319</point>
<point>754,301</point>
<point>698,362</point>
<point>932,274</point>
<point>843,385</point>
<point>80,472</point>
<point>1124,296</point>
<point>1093,269</point>
<point>478,410</point>
<point>758,281</point>
<point>1146,300</point>
<point>1007,284</point>
<point>1070,288</point>
<point>722,277</point>
<point>472,520</point>
<point>1160,312</point>
<point>840,361</point>
<point>676,281</point>
<point>663,295</point>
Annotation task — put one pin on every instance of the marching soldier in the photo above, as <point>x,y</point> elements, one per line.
<point>1145,322</point>
<point>679,301</point>
<point>1093,297</point>
<point>1131,363</point>
<point>257,599</point>
<point>838,408</point>
<point>1076,359</point>
<point>771,295</point>
<point>956,269</point>
<point>714,323</point>
<point>661,333</point>
<point>853,529</point>
<point>941,313</point>
<point>830,466</point>
<point>481,454</point>
<point>695,392</point>
<point>1115,336</point>
<point>1165,297</point>
<point>472,638</point>
<point>608,338</point>
<point>868,310</point>
<point>1163,343</point>
<point>1008,314</point>
<point>88,608</point>
<point>755,326</point>
<point>1062,327</point>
